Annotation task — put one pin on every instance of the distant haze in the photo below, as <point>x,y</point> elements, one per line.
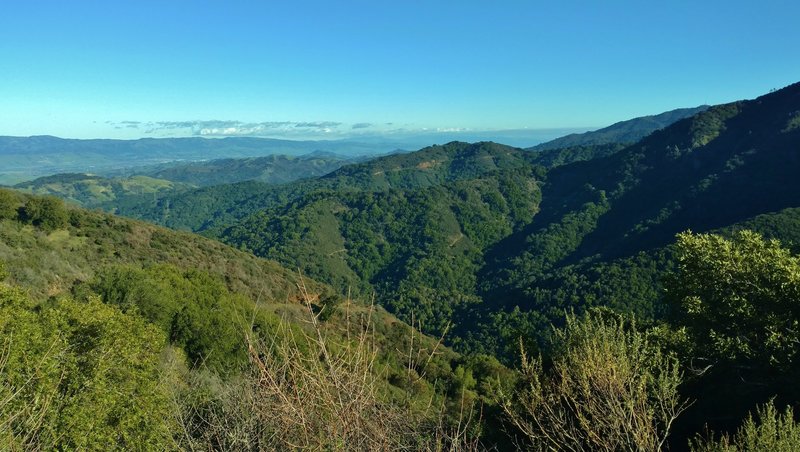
<point>25,158</point>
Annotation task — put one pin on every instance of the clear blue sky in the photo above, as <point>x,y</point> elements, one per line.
<point>335,68</point>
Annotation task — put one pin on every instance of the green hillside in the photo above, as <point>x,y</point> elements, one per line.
<point>157,327</point>
<point>562,156</point>
<point>157,181</point>
<point>272,169</point>
<point>436,236</point>
<point>578,271</point>
<point>91,190</point>
<point>718,168</point>
<point>207,207</point>
<point>50,260</point>
<point>418,250</point>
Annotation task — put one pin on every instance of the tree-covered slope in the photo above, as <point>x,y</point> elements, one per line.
<point>728,163</point>
<point>551,158</point>
<point>207,207</point>
<point>718,168</point>
<point>418,250</point>
<point>429,166</point>
<point>272,169</point>
<point>181,338</point>
<point>48,247</point>
<point>434,233</point>
<point>594,239</point>
<point>136,336</point>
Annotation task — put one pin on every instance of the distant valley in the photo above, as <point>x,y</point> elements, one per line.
<point>25,158</point>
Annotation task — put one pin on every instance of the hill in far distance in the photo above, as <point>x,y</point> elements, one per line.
<point>629,131</point>
<point>26,158</point>
<point>91,190</point>
<point>272,169</point>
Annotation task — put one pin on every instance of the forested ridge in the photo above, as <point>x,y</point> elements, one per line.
<point>607,297</point>
<point>476,234</point>
<point>629,131</point>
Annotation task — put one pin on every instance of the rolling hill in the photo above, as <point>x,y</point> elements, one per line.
<point>481,235</point>
<point>271,169</point>
<point>154,182</point>
<point>89,190</point>
<point>506,253</point>
<point>25,158</point>
<point>209,207</point>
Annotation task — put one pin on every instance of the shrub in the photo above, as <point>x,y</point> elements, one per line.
<point>610,387</point>
<point>739,298</point>
<point>8,205</point>
<point>46,212</point>
<point>774,432</point>
<point>307,390</point>
<point>79,376</point>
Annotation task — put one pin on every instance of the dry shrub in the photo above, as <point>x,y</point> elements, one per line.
<point>610,388</point>
<point>309,390</point>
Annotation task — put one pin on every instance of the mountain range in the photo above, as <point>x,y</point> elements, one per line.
<point>25,158</point>
<point>470,233</point>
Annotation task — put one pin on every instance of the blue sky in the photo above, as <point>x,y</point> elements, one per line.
<point>313,69</point>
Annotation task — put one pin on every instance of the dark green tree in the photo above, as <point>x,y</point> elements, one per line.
<point>80,376</point>
<point>8,205</point>
<point>738,298</point>
<point>46,212</point>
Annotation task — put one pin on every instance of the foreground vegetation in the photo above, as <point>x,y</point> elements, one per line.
<point>142,348</point>
<point>164,357</point>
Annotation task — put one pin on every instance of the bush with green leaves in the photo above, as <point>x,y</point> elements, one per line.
<point>738,298</point>
<point>9,204</point>
<point>80,376</point>
<point>46,212</point>
<point>194,309</point>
